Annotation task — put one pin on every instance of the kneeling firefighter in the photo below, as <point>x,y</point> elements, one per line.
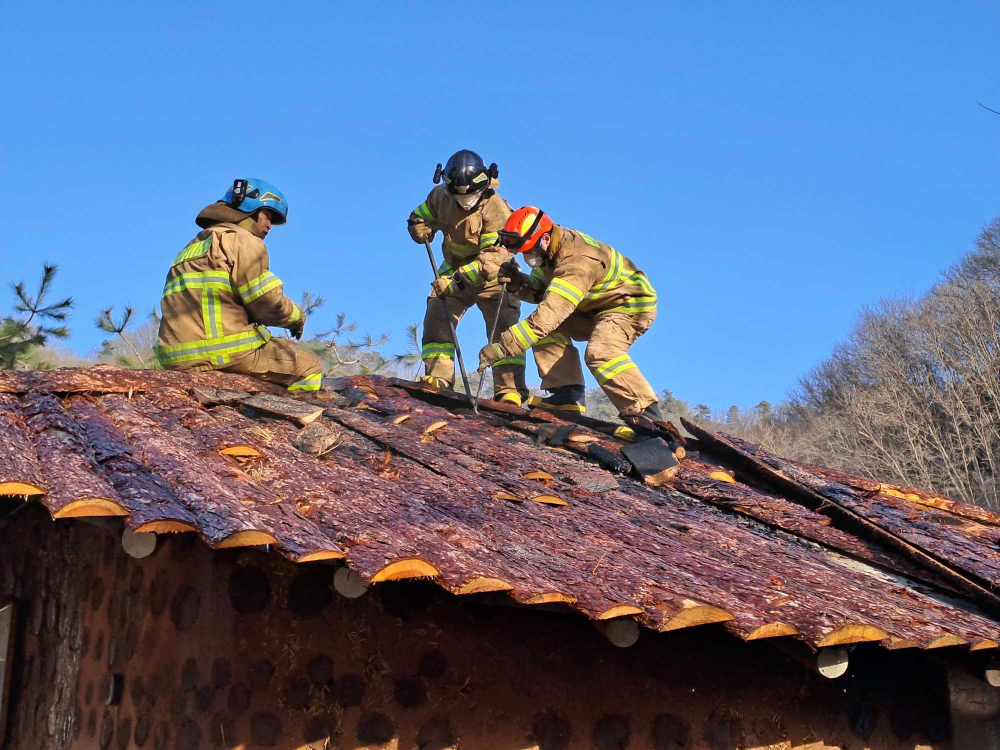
<point>469,213</point>
<point>585,290</point>
<point>220,294</point>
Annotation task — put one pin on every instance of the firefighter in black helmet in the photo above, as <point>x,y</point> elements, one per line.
<point>469,213</point>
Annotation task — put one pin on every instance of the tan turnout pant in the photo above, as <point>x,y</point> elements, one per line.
<point>438,349</point>
<point>284,362</point>
<point>609,336</point>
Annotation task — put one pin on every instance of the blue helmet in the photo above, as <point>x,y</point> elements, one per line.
<point>252,194</point>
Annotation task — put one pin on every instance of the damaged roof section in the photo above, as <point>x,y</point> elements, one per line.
<point>401,481</point>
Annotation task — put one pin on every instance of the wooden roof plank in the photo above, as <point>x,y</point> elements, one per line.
<point>20,472</point>
<point>77,485</point>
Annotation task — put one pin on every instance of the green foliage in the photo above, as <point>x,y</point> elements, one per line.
<point>35,321</point>
<point>105,321</point>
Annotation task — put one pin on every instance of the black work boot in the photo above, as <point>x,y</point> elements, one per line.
<point>651,422</point>
<point>565,398</point>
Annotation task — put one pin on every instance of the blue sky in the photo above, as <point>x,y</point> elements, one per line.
<point>773,167</point>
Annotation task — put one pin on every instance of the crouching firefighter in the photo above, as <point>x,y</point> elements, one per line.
<point>585,290</point>
<point>469,213</point>
<point>220,294</point>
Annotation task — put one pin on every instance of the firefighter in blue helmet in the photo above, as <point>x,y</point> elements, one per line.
<point>220,296</point>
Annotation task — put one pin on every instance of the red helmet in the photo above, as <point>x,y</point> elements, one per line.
<point>523,229</point>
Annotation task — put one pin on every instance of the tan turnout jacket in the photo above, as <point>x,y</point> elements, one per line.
<point>586,276</point>
<point>218,297</point>
<point>466,234</point>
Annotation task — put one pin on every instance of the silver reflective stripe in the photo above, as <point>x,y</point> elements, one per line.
<point>213,318</point>
<point>269,278</point>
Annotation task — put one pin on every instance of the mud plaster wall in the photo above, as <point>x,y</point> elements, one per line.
<point>191,648</point>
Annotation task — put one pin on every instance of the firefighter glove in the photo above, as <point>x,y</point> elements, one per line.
<point>490,354</point>
<point>442,286</point>
<point>298,328</point>
<point>510,274</point>
<point>421,233</point>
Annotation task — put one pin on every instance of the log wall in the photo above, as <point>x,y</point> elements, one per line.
<point>191,649</point>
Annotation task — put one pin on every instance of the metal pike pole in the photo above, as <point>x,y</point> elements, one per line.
<point>454,334</point>
<point>493,333</point>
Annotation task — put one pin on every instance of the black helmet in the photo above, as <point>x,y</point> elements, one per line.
<point>466,173</point>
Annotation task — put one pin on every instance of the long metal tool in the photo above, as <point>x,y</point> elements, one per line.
<point>493,333</point>
<point>454,334</point>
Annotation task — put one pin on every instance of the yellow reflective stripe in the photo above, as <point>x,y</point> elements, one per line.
<point>538,402</point>
<point>564,289</point>
<point>472,271</point>
<point>209,349</point>
<point>258,287</point>
<point>613,367</point>
<point>611,363</point>
<point>211,313</point>
<point>198,280</point>
<point>463,251</point>
<point>618,371</point>
<point>436,350</point>
<point>194,249</point>
<point>639,279</point>
<point>509,361</point>
<point>424,212</point>
<point>488,238</point>
<point>556,338</point>
<point>296,315</point>
<point>588,239</point>
<point>524,335</point>
<point>635,305</point>
<point>308,383</point>
<point>611,278</point>
<point>441,346</point>
<point>444,269</point>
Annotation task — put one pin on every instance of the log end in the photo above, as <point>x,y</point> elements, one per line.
<point>241,451</point>
<point>409,568</point>
<point>138,545</point>
<point>694,614</point>
<point>722,476</point>
<point>549,500</point>
<point>551,597</point>
<point>853,633</point>
<point>894,644</point>
<point>502,495</point>
<point>984,645</point>
<point>482,584</point>
<point>772,630</point>
<point>163,527</point>
<point>89,507</point>
<point>623,632</point>
<point>945,640</point>
<point>432,428</point>
<point>323,554</point>
<point>620,610</point>
<point>20,488</point>
<point>246,539</point>
<point>537,474</point>
<point>349,583</point>
<point>832,662</point>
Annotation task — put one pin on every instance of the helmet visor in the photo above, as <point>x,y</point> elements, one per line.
<point>514,241</point>
<point>510,240</point>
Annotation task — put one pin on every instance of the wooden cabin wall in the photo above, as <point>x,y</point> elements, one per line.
<point>191,649</point>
